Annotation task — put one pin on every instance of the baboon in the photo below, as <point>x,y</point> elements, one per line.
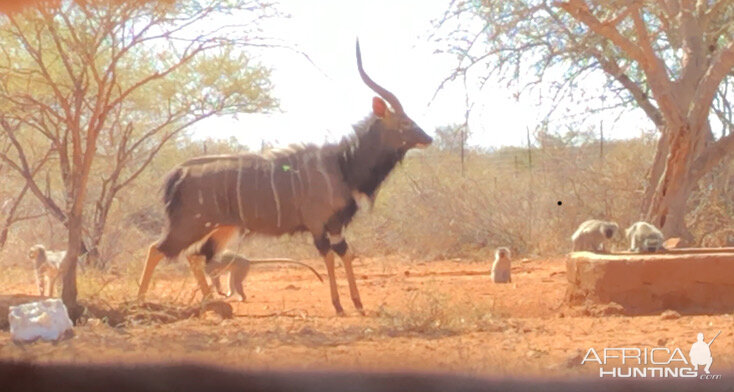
<point>591,235</point>
<point>238,268</point>
<point>644,237</point>
<point>501,266</point>
<point>46,264</point>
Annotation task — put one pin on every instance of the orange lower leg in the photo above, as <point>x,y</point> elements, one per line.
<point>353,291</point>
<point>329,260</point>
<point>197,264</point>
<point>154,256</point>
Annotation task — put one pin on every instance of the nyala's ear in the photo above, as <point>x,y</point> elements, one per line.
<point>379,107</point>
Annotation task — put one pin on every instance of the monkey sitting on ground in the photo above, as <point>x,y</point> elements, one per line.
<point>591,235</point>
<point>501,266</point>
<point>238,268</point>
<point>644,237</point>
<point>46,264</point>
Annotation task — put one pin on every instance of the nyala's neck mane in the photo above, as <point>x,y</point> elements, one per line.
<point>365,160</point>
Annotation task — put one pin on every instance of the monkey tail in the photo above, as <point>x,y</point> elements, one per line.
<point>287,261</point>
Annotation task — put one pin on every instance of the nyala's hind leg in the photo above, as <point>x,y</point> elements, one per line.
<point>154,256</point>
<point>215,241</point>
<point>197,264</point>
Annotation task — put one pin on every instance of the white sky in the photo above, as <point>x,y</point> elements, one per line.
<point>321,102</point>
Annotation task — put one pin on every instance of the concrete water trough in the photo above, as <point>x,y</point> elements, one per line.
<point>690,281</point>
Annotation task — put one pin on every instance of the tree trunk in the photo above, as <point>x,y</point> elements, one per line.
<point>668,203</point>
<point>78,192</point>
<point>3,237</point>
<point>69,291</point>
<point>101,212</point>
<point>655,172</point>
<point>93,256</point>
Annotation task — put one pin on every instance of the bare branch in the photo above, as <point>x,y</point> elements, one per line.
<point>720,67</point>
<point>579,10</point>
<point>714,154</point>
<point>644,56</point>
<point>612,68</point>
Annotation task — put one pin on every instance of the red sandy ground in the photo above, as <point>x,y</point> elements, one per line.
<point>445,316</point>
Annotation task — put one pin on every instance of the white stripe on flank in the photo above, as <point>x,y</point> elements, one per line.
<point>226,190</point>
<point>239,189</point>
<point>322,170</point>
<point>291,170</point>
<point>306,159</point>
<point>216,204</point>
<point>214,194</point>
<point>298,173</point>
<point>256,188</point>
<point>201,181</point>
<point>275,191</point>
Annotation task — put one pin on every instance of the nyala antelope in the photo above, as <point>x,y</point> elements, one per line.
<point>210,199</point>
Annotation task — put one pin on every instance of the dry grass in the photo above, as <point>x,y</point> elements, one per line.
<point>431,313</point>
<point>427,210</point>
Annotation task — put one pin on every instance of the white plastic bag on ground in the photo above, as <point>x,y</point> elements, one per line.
<point>47,320</point>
